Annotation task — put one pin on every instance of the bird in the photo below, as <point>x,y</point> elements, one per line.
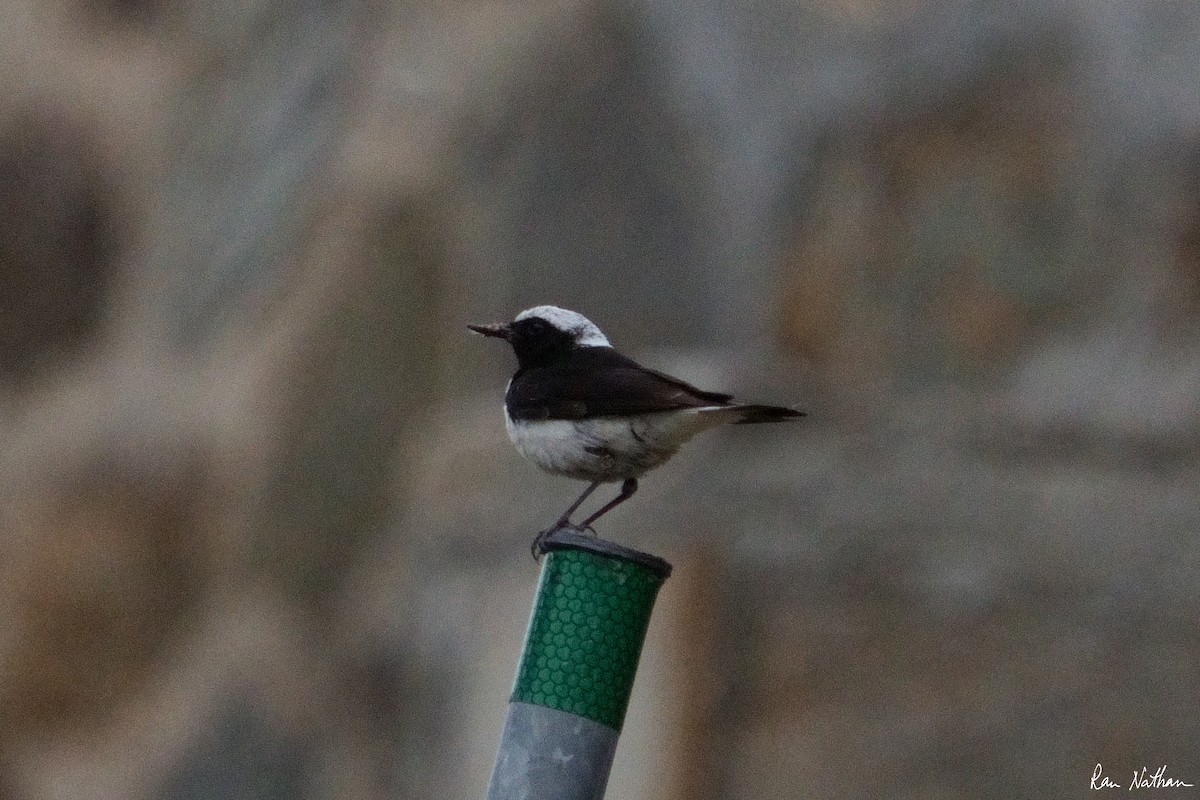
<point>578,408</point>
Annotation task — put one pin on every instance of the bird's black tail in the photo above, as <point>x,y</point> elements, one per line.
<point>756,413</point>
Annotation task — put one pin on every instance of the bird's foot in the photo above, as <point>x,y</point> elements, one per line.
<point>538,547</point>
<point>574,526</point>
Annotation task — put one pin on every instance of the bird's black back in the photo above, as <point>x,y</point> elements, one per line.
<point>583,382</point>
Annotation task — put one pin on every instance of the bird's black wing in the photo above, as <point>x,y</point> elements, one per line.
<point>600,382</point>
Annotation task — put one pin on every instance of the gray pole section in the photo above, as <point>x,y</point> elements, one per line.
<point>576,671</point>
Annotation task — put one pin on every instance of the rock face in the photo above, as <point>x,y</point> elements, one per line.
<point>263,535</point>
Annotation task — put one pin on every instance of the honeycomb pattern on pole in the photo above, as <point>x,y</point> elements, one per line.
<point>585,635</point>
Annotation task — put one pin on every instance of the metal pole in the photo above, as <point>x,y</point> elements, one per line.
<point>576,671</point>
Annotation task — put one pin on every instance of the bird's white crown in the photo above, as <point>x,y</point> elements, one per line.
<point>584,331</point>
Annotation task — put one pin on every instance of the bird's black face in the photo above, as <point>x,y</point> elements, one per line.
<point>535,341</point>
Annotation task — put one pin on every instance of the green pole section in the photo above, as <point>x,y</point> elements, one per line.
<point>576,672</point>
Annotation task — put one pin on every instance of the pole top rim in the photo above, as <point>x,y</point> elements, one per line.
<point>571,539</point>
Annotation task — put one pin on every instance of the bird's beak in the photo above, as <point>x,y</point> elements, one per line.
<point>500,330</point>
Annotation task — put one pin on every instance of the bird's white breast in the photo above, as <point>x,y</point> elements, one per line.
<point>608,448</point>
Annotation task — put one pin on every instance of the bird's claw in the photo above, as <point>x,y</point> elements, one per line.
<point>578,528</point>
<point>538,547</point>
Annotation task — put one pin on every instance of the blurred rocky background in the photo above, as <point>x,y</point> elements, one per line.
<point>263,535</point>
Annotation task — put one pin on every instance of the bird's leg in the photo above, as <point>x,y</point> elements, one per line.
<point>563,522</point>
<point>627,489</point>
<point>565,519</point>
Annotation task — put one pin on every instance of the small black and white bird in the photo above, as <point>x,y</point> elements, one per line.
<point>577,407</point>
